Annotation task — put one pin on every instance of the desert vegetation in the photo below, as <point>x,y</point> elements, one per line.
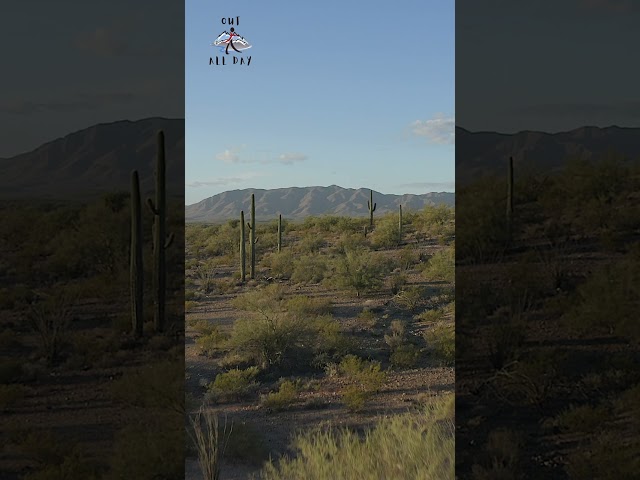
<point>338,348</point>
<point>547,329</point>
<point>91,376</point>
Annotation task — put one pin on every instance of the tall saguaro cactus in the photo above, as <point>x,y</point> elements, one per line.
<point>243,252</point>
<point>400,225</point>
<point>279,232</point>
<point>510,190</point>
<point>372,208</point>
<point>252,236</point>
<point>137,270</point>
<point>160,241</point>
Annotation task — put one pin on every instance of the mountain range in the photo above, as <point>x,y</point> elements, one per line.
<point>97,159</point>
<point>482,153</point>
<point>299,202</point>
<point>100,158</point>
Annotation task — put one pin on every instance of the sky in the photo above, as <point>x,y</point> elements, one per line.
<point>547,65</point>
<point>68,65</point>
<point>337,93</point>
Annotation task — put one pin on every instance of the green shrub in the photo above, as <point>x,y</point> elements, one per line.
<point>306,306</point>
<point>441,339</point>
<point>234,384</point>
<point>386,233</point>
<point>397,283</point>
<point>405,356</point>
<point>413,446</point>
<point>286,395</point>
<point>441,266</point>
<point>411,298</point>
<point>360,270</point>
<point>309,269</point>
<point>211,342</point>
<point>281,263</point>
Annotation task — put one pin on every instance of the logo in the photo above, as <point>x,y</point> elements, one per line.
<point>230,40</point>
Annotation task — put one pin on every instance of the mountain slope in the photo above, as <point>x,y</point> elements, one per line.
<point>97,159</point>
<point>479,153</point>
<point>300,202</point>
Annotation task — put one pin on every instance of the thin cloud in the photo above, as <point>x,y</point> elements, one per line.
<point>232,155</point>
<point>438,130</point>
<point>290,158</point>
<point>224,181</point>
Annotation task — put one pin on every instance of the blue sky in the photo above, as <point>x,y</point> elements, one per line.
<point>356,95</point>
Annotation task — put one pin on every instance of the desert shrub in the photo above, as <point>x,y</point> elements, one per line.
<point>306,306</point>
<point>350,241</point>
<point>366,318</point>
<point>281,263</point>
<point>355,398</point>
<point>366,374</point>
<point>330,342</point>
<point>411,298</point>
<point>245,443</point>
<point>202,326</point>
<point>234,384</point>
<point>309,269</point>
<point>386,233</point>
<point>205,273</point>
<point>151,448</point>
<point>271,339</point>
<point>397,282</point>
<point>606,457</point>
<point>416,446</point>
<point>583,418</point>
<point>225,241</point>
<point>501,456</point>
<point>441,265</point>
<point>210,443</point>
<point>189,306</point>
<point>397,334</point>
<point>360,270</point>
<point>408,257</point>
<point>481,233</point>
<point>431,316</point>
<point>211,342</point>
<point>312,244</point>
<point>608,301</point>
<point>51,320</point>
<point>286,395</point>
<point>441,339</point>
<point>269,298</point>
<point>405,356</point>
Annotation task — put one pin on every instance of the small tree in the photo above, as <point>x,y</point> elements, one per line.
<point>359,270</point>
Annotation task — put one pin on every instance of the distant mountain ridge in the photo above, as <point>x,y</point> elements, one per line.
<point>97,159</point>
<point>299,202</point>
<point>481,153</point>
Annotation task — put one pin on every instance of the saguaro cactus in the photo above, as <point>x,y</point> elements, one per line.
<point>243,253</point>
<point>279,232</point>
<point>372,208</point>
<point>137,270</point>
<point>252,236</point>
<point>160,241</point>
<point>400,225</point>
<point>510,190</point>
